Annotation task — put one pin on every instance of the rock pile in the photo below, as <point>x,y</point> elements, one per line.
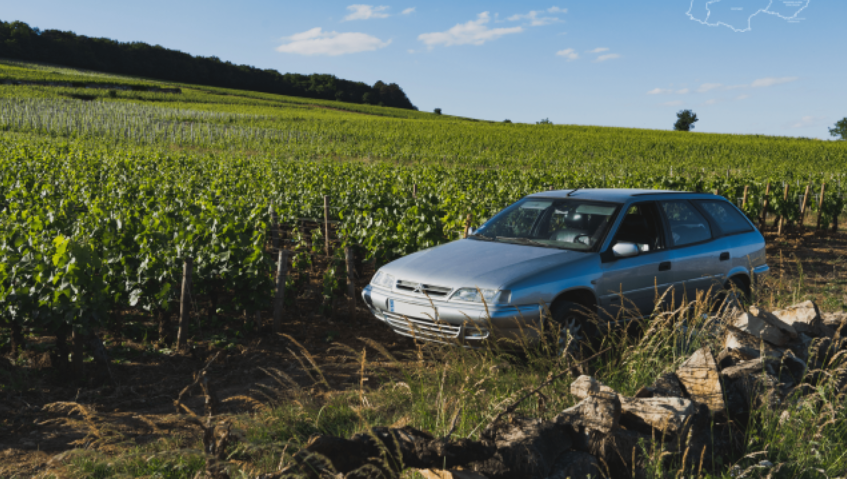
<point>696,414</point>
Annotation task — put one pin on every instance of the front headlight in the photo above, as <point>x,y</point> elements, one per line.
<point>471,295</point>
<point>383,280</point>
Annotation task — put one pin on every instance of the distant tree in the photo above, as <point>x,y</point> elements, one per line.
<point>339,95</point>
<point>545,121</point>
<point>685,120</point>
<point>437,111</point>
<point>507,120</point>
<point>840,129</point>
<point>369,98</point>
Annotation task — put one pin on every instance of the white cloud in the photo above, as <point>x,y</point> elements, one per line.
<point>408,11</point>
<point>708,87</point>
<point>318,42</point>
<point>569,53</point>
<point>808,122</point>
<point>557,10</point>
<point>599,50</point>
<point>610,56</point>
<point>365,12</point>
<point>534,19</point>
<point>766,82</point>
<point>804,122</point>
<point>474,32</point>
<point>664,91</point>
<point>710,102</point>
<point>742,97</point>
<point>672,103</point>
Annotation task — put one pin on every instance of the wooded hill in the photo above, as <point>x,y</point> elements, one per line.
<point>21,42</point>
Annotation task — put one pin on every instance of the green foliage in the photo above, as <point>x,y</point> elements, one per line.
<point>685,120</point>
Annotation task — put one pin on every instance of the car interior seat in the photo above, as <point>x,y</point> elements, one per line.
<point>575,226</point>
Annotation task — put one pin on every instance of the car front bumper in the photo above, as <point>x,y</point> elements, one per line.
<point>451,322</point>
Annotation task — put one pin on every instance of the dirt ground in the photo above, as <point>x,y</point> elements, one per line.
<point>43,414</point>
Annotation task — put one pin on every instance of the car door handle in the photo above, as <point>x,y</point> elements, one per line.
<point>725,256</point>
<point>665,266</point>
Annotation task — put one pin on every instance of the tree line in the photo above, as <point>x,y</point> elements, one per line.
<point>19,41</point>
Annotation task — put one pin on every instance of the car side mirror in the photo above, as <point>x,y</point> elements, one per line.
<point>625,250</point>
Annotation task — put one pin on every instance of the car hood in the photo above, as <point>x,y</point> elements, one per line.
<point>475,263</point>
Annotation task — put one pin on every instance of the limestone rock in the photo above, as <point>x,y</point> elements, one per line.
<point>774,321</point>
<point>804,317</point>
<point>835,320</point>
<point>668,415</point>
<point>600,412</point>
<point>746,368</point>
<point>699,375</point>
<point>758,327</point>
<point>585,386</point>
<point>737,339</point>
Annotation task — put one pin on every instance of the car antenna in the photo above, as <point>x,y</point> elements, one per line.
<point>574,190</point>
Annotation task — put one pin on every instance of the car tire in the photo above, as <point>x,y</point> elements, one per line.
<point>741,287</point>
<point>572,317</point>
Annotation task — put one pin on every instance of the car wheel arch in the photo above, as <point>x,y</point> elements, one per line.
<point>581,296</point>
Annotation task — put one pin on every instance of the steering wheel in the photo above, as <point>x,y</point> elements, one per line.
<point>577,237</point>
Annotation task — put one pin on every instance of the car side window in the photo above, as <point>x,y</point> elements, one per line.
<point>642,226</point>
<point>728,219</point>
<point>686,224</point>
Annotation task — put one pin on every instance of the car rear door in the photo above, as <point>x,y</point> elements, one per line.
<point>696,256</point>
<point>633,284</point>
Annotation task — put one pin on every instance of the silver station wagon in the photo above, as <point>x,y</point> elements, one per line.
<point>604,253</point>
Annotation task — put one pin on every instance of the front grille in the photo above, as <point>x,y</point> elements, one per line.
<point>423,289</point>
<point>422,329</point>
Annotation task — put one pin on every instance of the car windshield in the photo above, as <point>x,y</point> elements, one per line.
<point>550,222</point>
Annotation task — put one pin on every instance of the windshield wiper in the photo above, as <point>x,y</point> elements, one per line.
<point>528,241</point>
<point>482,237</point>
<point>522,240</point>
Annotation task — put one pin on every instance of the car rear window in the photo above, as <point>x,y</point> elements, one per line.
<point>687,225</point>
<point>728,219</point>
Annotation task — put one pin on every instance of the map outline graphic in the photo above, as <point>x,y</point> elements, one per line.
<point>749,18</point>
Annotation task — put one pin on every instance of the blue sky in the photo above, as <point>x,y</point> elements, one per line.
<point>600,62</point>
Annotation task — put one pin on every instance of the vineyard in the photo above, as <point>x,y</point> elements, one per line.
<point>108,194</point>
<point>103,200</point>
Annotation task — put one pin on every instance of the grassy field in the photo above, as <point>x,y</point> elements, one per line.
<point>106,188</point>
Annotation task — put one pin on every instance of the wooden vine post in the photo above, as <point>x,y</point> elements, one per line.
<point>184,303</point>
<point>820,205</point>
<point>350,259</point>
<point>279,298</point>
<point>274,228</point>
<point>804,205</point>
<point>415,191</point>
<point>783,219</point>
<point>326,224</point>
<point>744,198</point>
<point>765,207</point>
<point>468,224</point>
